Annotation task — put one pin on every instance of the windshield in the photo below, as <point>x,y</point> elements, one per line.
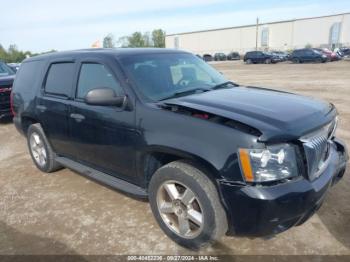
<point>160,76</point>
<point>5,70</point>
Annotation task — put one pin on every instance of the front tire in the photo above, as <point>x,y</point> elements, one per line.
<point>296,61</point>
<point>186,205</point>
<point>40,150</point>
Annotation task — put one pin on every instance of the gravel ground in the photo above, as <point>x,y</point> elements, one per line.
<point>65,213</point>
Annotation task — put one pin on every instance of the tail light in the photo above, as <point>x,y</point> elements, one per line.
<point>11,104</point>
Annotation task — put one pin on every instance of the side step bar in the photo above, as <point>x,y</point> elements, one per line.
<point>104,178</point>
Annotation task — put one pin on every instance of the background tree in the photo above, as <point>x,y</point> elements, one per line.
<point>139,39</point>
<point>13,55</point>
<point>108,41</point>
<point>123,41</point>
<point>147,39</point>
<point>136,40</point>
<point>158,38</point>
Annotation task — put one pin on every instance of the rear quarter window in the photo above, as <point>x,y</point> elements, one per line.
<point>29,76</point>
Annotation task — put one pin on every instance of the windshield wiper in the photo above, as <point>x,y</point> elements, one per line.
<point>185,93</point>
<point>224,85</point>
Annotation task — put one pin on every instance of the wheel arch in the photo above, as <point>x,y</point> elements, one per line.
<point>153,158</point>
<point>26,122</point>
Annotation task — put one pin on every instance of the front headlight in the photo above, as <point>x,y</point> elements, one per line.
<point>270,164</point>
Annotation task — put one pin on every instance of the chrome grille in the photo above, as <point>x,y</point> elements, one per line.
<point>316,148</point>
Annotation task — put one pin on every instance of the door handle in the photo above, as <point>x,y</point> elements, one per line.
<point>77,117</point>
<point>41,108</point>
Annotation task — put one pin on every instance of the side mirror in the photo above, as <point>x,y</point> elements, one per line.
<point>104,97</point>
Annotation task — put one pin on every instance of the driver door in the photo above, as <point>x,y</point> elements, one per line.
<point>103,136</point>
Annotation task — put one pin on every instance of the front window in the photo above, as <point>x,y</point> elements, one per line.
<point>93,75</point>
<point>5,70</point>
<point>159,76</point>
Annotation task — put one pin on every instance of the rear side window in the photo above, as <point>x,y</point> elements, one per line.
<point>60,79</point>
<point>28,76</point>
<point>93,75</point>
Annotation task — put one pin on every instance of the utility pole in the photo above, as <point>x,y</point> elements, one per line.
<point>257,32</point>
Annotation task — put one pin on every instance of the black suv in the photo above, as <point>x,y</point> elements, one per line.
<point>212,157</point>
<point>6,81</point>
<point>308,55</point>
<point>259,57</point>
<point>233,56</point>
<point>220,57</point>
<point>208,58</point>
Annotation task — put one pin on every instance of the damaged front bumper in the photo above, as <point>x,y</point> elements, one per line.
<point>267,210</point>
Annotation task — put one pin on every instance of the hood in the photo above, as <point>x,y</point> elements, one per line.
<point>279,116</point>
<point>6,80</point>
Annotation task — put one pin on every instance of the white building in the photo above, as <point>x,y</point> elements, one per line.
<point>325,31</point>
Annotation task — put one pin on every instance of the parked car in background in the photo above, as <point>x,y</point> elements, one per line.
<point>220,57</point>
<point>14,66</point>
<point>212,157</point>
<point>308,55</point>
<point>284,56</point>
<point>233,56</point>
<point>7,76</point>
<point>343,52</point>
<point>207,57</point>
<point>259,57</point>
<point>332,56</point>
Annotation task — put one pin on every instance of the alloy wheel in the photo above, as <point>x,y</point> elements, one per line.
<point>38,150</point>
<point>180,209</point>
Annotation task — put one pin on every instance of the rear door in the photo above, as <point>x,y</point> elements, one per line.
<point>260,57</point>
<point>53,105</point>
<point>103,136</point>
<point>308,55</point>
<point>252,56</point>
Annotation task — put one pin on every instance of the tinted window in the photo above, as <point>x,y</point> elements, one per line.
<point>28,76</point>
<point>96,76</point>
<point>5,70</point>
<point>59,79</point>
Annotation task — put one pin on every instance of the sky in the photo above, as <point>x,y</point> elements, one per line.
<point>42,25</point>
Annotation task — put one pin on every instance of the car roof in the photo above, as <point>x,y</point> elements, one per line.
<point>105,52</point>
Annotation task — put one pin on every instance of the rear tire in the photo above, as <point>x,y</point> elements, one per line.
<point>296,61</point>
<point>190,224</point>
<point>268,61</point>
<point>40,150</point>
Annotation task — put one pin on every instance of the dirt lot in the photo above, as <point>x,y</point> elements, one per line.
<point>65,213</point>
